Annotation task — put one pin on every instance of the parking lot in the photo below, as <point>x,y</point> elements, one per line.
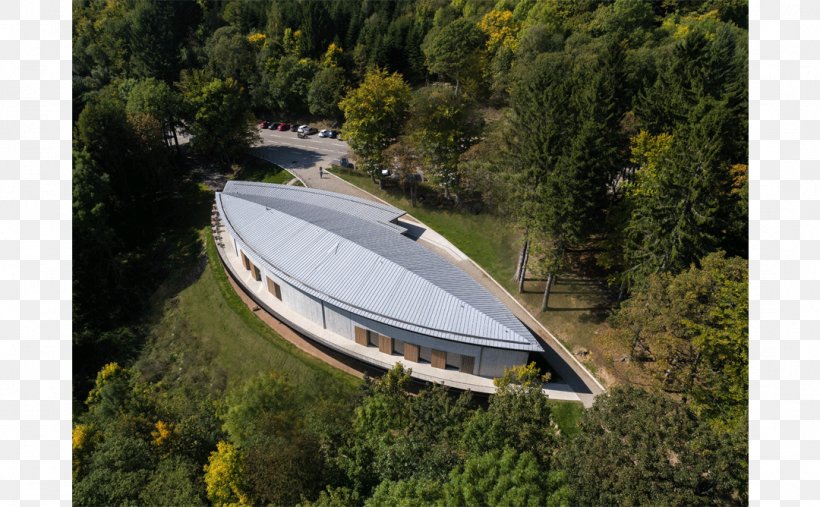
<point>323,145</point>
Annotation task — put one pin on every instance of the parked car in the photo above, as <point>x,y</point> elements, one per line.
<point>343,162</point>
<point>302,128</point>
<point>273,125</point>
<point>324,133</point>
<point>284,127</point>
<point>333,134</point>
<point>294,128</point>
<point>311,130</point>
<point>264,124</point>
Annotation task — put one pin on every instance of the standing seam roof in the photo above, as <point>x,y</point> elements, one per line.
<point>358,264</point>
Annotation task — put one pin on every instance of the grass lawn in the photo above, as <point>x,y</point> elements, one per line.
<point>578,305</point>
<point>255,169</point>
<point>207,328</point>
<point>567,415</point>
<point>492,249</point>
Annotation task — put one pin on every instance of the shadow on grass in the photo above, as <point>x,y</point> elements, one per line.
<point>256,168</point>
<point>165,257</point>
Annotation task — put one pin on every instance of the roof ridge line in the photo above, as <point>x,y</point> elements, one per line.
<point>524,340</point>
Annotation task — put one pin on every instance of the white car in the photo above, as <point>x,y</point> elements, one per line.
<point>302,129</point>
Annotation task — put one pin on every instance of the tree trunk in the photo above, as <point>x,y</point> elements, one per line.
<point>176,141</point>
<point>636,339</point>
<point>544,302</point>
<point>522,264</point>
<point>413,193</point>
<point>165,139</point>
<point>621,291</point>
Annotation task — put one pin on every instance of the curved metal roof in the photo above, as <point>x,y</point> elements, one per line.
<point>345,251</point>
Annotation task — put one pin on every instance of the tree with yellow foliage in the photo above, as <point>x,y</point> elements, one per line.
<point>374,116</point>
<point>224,477</point>
<point>501,29</point>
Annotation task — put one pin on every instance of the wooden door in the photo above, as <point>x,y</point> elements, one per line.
<point>438,359</point>
<point>467,364</point>
<point>411,352</point>
<point>385,344</point>
<point>361,336</point>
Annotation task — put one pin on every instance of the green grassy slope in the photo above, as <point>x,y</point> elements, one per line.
<point>207,327</point>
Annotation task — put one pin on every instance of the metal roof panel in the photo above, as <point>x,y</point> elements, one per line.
<point>337,248</point>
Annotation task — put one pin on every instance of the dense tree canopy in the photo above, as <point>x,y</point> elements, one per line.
<point>691,330</point>
<point>220,121</point>
<point>443,126</point>
<point>455,52</point>
<point>639,448</point>
<point>611,134</point>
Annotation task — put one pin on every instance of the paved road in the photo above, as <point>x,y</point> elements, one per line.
<point>303,157</point>
<point>300,156</point>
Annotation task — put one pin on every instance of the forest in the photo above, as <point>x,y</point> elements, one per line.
<point>605,133</point>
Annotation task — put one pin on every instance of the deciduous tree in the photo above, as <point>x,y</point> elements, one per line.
<point>219,118</point>
<point>224,476</point>
<point>326,91</point>
<point>507,478</point>
<point>518,417</point>
<point>693,329</point>
<point>455,51</point>
<point>442,126</point>
<point>640,448</point>
<point>374,116</point>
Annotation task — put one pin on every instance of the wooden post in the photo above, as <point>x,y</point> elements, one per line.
<point>550,279</point>
<point>522,265</point>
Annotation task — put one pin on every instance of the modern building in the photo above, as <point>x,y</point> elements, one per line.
<point>342,271</point>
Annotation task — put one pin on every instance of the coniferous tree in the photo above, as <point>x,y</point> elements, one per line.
<point>678,214</point>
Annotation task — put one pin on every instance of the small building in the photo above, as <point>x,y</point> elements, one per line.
<point>342,271</point>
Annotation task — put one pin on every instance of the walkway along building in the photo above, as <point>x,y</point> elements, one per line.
<point>340,270</point>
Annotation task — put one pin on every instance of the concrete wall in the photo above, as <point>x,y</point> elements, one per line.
<point>343,322</point>
<point>302,303</point>
<point>337,322</point>
<point>489,362</point>
<point>494,361</point>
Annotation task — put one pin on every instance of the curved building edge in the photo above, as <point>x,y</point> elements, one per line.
<point>431,359</point>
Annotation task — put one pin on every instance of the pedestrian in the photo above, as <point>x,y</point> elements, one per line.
<point>321,173</point>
